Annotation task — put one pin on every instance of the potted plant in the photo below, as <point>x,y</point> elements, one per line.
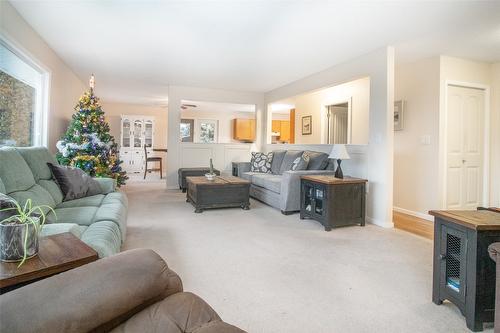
<point>211,175</point>
<point>19,230</point>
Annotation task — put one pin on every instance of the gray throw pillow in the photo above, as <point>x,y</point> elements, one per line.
<point>300,163</point>
<point>317,160</point>
<point>74,182</point>
<point>290,157</point>
<point>278,156</point>
<point>261,162</point>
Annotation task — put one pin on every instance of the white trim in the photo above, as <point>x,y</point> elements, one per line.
<point>443,128</point>
<point>43,97</point>
<point>413,213</point>
<point>379,223</point>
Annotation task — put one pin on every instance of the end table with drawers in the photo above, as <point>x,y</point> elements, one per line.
<point>332,201</point>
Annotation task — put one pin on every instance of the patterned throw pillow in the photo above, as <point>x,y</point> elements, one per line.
<point>261,162</point>
<point>300,163</point>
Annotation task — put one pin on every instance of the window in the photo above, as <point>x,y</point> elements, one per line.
<point>208,131</point>
<point>21,100</point>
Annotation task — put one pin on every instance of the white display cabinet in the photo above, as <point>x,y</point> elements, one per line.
<point>136,131</point>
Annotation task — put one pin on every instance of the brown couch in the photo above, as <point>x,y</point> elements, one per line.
<point>133,291</point>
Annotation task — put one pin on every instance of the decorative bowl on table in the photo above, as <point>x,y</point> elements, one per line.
<point>210,176</point>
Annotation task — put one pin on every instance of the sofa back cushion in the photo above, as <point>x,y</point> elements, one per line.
<point>15,173</point>
<point>317,160</point>
<point>278,156</point>
<point>37,159</point>
<point>288,159</point>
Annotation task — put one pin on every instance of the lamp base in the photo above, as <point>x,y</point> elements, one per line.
<point>338,172</point>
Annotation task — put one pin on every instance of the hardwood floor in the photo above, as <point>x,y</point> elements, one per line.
<point>413,224</point>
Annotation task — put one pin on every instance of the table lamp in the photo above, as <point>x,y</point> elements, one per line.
<point>339,153</point>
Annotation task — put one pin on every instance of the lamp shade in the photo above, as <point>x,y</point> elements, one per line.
<point>339,152</point>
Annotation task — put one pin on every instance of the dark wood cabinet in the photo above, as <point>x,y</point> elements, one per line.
<point>463,272</point>
<point>333,202</point>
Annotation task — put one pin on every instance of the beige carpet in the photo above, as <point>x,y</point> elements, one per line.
<point>267,272</point>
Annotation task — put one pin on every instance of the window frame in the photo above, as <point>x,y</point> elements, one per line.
<point>41,113</point>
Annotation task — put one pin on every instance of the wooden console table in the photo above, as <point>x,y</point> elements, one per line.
<point>57,253</point>
<point>332,201</point>
<point>463,272</point>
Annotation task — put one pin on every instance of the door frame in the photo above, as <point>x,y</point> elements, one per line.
<point>443,142</point>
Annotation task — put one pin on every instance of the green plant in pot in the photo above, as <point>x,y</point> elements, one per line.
<point>20,226</point>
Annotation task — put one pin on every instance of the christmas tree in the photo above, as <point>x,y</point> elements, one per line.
<point>87,143</point>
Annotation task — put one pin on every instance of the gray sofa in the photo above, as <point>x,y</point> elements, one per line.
<point>281,187</point>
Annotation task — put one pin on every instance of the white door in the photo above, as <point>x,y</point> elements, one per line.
<point>465,123</point>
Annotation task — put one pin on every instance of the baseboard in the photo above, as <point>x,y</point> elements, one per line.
<point>415,214</point>
<point>382,224</point>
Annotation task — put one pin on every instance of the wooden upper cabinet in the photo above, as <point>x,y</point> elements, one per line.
<point>276,126</point>
<point>285,131</point>
<point>244,129</point>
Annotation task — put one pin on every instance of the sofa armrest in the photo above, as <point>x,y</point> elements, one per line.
<point>242,167</point>
<point>290,188</point>
<point>97,296</point>
<point>108,185</point>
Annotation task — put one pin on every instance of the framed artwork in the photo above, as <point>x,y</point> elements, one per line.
<point>399,107</point>
<point>306,125</point>
<point>187,130</point>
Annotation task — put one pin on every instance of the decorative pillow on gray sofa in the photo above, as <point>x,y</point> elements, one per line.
<point>277,160</point>
<point>317,160</point>
<point>301,162</point>
<point>290,157</point>
<point>74,182</point>
<point>261,162</point>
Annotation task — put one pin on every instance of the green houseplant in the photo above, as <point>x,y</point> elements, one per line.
<point>20,226</point>
<point>211,175</point>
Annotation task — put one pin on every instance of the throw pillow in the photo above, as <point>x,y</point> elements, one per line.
<point>261,162</point>
<point>300,163</point>
<point>74,182</point>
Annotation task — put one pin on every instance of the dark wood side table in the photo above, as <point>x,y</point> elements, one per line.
<point>332,201</point>
<point>463,272</point>
<point>222,192</point>
<point>57,253</point>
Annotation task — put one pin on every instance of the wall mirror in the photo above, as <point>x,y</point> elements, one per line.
<point>333,115</point>
<point>210,122</point>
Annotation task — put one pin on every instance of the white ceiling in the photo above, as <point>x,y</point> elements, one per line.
<point>218,107</point>
<point>136,49</point>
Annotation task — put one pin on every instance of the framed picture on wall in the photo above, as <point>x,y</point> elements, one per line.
<point>399,107</point>
<point>306,125</point>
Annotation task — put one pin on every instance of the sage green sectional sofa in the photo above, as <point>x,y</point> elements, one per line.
<point>98,220</point>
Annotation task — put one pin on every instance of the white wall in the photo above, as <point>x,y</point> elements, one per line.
<point>419,168</point>
<point>314,104</point>
<point>375,160</point>
<point>176,153</point>
<point>113,112</point>
<point>224,122</point>
<point>65,86</point>
<point>416,164</point>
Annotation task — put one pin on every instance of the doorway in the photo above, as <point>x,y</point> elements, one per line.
<point>466,147</point>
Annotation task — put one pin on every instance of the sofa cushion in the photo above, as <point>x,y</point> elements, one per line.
<point>59,228</point>
<point>54,190</point>
<point>117,197</point>
<point>78,215</point>
<point>37,159</point>
<point>14,171</point>
<point>92,201</point>
<point>317,160</point>
<point>290,156</point>
<point>277,160</point>
<point>38,195</point>
<point>2,186</point>
<point>261,162</point>
<point>269,182</point>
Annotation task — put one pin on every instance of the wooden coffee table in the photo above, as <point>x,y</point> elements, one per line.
<point>57,253</point>
<point>222,192</point>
